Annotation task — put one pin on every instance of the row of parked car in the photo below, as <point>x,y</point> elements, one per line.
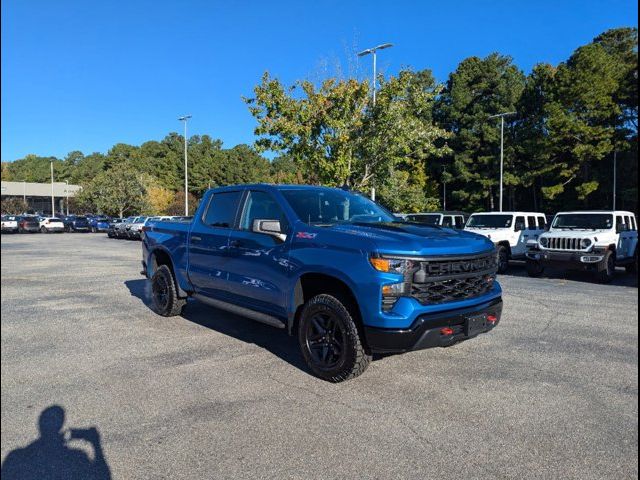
<point>44,224</point>
<point>132,227</point>
<point>595,240</point>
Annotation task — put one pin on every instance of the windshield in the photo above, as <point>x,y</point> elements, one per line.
<point>325,206</point>
<point>588,221</point>
<point>490,221</point>
<point>427,219</point>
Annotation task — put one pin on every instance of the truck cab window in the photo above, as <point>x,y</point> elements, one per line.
<point>222,208</point>
<point>261,205</point>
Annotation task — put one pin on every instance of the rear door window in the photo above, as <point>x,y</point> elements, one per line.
<point>519,221</point>
<point>542,223</point>
<point>459,219</point>
<point>531,222</point>
<point>447,221</point>
<point>222,209</point>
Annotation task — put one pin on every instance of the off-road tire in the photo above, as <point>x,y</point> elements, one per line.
<point>608,272</point>
<point>43,230</point>
<point>164,293</point>
<point>633,266</point>
<point>534,269</point>
<point>352,359</point>
<point>503,258</point>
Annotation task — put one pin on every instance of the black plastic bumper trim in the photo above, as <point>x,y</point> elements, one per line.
<point>425,330</point>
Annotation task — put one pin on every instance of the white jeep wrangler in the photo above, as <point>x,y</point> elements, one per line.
<point>509,231</point>
<point>595,241</point>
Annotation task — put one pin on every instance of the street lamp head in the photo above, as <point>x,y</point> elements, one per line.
<point>184,118</point>
<point>374,49</point>
<point>504,114</point>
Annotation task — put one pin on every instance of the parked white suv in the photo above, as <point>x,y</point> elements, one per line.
<point>51,224</point>
<point>596,241</point>
<point>509,231</point>
<point>441,219</point>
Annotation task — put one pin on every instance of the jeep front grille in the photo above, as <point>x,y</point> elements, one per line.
<point>564,244</point>
<point>450,279</point>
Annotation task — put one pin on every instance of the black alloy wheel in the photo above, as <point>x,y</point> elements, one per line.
<point>325,340</point>
<point>329,339</point>
<point>164,293</point>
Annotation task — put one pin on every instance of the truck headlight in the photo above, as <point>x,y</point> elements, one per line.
<point>392,265</point>
<point>544,241</point>
<point>586,242</point>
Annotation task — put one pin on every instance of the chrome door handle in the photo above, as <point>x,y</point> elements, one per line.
<point>196,239</point>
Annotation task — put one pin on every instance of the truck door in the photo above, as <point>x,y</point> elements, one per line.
<point>623,238</point>
<point>209,243</point>
<point>258,262</point>
<point>520,236</point>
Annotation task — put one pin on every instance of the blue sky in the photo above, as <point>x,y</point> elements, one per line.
<point>83,75</point>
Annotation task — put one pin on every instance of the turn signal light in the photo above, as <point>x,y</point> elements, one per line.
<point>446,331</point>
<point>492,318</point>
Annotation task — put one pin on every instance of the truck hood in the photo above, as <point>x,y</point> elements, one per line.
<point>411,239</point>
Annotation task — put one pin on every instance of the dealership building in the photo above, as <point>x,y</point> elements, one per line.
<point>38,195</point>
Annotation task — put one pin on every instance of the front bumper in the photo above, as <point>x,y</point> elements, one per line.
<point>570,260</point>
<point>426,330</point>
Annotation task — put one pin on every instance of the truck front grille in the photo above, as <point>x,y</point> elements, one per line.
<point>442,280</point>
<point>564,244</point>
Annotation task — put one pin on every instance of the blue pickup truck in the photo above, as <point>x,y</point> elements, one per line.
<point>330,266</point>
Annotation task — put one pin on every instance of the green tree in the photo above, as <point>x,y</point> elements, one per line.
<point>120,191</point>
<point>477,89</point>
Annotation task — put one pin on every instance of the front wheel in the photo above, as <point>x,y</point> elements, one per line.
<point>330,341</point>
<point>503,258</point>
<point>609,268</point>
<point>633,266</point>
<point>43,229</point>
<point>165,295</point>
<point>534,269</point>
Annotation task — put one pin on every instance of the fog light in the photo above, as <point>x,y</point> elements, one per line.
<point>446,331</point>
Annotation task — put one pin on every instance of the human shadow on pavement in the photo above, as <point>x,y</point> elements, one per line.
<point>275,340</point>
<point>51,457</point>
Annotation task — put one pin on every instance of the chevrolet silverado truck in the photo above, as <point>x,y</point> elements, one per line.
<point>329,266</point>
<point>595,241</point>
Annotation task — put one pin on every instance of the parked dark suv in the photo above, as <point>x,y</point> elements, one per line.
<point>28,224</point>
<point>74,223</point>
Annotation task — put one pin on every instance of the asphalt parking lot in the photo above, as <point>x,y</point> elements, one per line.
<point>551,393</point>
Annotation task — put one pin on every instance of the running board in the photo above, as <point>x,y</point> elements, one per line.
<point>242,311</point>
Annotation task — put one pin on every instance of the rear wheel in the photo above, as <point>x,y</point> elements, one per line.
<point>330,341</point>
<point>165,294</point>
<point>503,258</point>
<point>609,268</point>
<point>534,268</point>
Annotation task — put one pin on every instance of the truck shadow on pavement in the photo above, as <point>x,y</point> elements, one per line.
<point>51,456</point>
<point>274,340</point>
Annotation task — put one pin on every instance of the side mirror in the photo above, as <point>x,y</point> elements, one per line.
<point>269,227</point>
<point>519,226</point>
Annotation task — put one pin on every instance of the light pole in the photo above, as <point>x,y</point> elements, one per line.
<point>184,119</point>
<point>373,51</point>
<point>53,202</point>
<point>502,115</point>
<point>444,191</point>
<point>615,177</point>
<point>66,193</point>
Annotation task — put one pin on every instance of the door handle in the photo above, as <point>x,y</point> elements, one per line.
<point>235,243</point>
<point>195,239</point>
